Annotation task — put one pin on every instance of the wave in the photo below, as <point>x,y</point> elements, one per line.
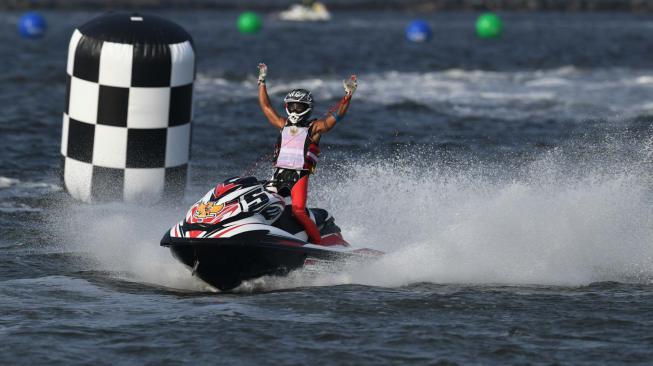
<point>12,188</point>
<point>565,93</point>
<point>7,207</point>
<point>8,182</point>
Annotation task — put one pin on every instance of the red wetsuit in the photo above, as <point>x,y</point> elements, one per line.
<point>295,160</point>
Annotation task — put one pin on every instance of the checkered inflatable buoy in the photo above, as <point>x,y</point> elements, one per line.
<point>127,126</point>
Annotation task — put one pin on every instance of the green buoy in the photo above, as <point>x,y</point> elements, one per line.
<point>249,23</point>
<point>488,25</point>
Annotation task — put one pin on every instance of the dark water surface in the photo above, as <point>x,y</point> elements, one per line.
<point>508,181</point>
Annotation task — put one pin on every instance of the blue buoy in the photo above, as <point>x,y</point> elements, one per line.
<point>418,31</point>
<point>32,25</point>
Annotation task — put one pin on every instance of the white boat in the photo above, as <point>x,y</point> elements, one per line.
<point>303,13</point>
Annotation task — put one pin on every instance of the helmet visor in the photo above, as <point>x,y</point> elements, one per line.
<point>296,107</point>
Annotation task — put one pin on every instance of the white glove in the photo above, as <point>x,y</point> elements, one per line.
<point>262,72</point>
<point>350,85</point>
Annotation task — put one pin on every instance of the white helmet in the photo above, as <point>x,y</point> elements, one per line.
<point>299,104</point>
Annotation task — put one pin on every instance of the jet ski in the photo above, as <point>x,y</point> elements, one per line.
<point>242,229</point>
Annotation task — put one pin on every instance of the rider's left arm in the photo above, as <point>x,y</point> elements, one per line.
<point>323,126</point>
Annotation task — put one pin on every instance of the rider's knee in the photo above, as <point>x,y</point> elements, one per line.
<point>298,211</point>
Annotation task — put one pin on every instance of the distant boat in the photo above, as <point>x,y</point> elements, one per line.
<point>306,13</point>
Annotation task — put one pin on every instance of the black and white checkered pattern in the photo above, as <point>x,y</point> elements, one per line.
<point>127,127</point>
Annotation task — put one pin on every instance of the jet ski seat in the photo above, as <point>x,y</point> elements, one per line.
<point>293,226</point>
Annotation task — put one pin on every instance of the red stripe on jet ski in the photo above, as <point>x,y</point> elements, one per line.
<point>333,239</point>
<point>221,189</point>
<point>194,233</point>
<point>228,230</point>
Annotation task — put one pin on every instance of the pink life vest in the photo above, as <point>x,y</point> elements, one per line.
<point>296,151</point>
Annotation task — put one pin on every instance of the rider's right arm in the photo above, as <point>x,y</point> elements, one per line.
<point>264,99</point>
<point>270,113</point>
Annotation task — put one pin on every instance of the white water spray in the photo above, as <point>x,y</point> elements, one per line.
<point>559,220</point>
<point>555,221</point>
<point>123,240</point>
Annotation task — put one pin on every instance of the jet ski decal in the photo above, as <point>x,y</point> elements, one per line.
<point>207,210</point>
<point>212,213</point>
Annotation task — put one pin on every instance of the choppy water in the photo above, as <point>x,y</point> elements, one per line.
<point>509,181</point>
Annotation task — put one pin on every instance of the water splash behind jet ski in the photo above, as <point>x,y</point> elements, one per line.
<point>240,231</point>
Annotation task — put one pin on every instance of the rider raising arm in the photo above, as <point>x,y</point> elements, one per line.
<point>298,149</point>
<point>322,125</point>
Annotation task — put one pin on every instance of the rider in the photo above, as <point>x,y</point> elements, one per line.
<point>297,148</point>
